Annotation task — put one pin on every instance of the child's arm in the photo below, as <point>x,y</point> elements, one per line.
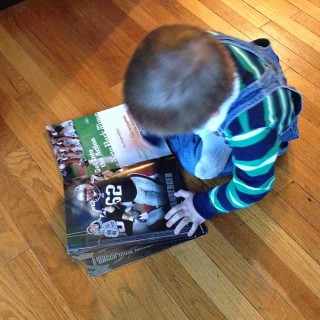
<point>253,155</point>
<point>253,178</point>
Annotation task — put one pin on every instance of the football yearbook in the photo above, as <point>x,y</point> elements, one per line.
<point>118,188</point>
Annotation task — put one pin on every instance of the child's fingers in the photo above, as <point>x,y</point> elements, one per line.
<point>175,218</point>
<point>183,222</point>
<point>193,229</point>
<point>182,193</point>
<point>173,211</point>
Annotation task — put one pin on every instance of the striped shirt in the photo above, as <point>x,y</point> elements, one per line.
<point>254,137</point>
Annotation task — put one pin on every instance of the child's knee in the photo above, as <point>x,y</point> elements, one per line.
<point>205,170</point>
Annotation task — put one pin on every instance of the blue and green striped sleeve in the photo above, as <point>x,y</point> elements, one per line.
<point>254,137</point>
<point>253,154</point>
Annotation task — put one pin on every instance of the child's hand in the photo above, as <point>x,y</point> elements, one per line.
<point>184,211</point>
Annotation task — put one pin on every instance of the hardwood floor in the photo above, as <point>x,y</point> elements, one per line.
<point>63,59</point>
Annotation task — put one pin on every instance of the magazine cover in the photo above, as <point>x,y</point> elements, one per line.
<point>102,141</point>
<point>123,207</point>
<point>118,188</point>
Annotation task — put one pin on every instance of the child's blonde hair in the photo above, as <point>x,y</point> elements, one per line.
<point>177,78</point>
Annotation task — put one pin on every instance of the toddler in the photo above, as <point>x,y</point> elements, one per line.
<point>223,105</point>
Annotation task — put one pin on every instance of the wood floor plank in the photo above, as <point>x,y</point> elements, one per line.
<point>48,60</point>
<point>158,12</point>
<point>127,300</point>
<point>38,290</point>
<point>274,9</point>
<point>99,24</point>
<point>11,81</point>
<point>182,287</point>
<point>288,57</point>
<point>240,7</point>
<point>106,64</point>
<point>26,171</point>
<point>294,62</point>
<point>307,149</point>
<point>12,243</point>
<point>115,16</point>
<point>38,80</point>
<point>282,179</point>
<point>245,277</point>
<point>33,138</point>
<point>305,50</point>
<point>119,297</point>
<point>137,14</point>
<point>234,18</point>
<point>8,141</point>
<point>215,283</point>
<point>313,132</point>
<point>307,7</point>
<point>299,172</point>
<point>14,304</point>
<point>315,2</point>
<point>302,227</point>
<point>278,14</point>
<point>306,268</point>
<point>307,89</point>
<point>183,14</point>
<point>211,18</point>
<point>49,250</point>
<point>275,271</point>
<point>310,111</point>
<point>308,22</point>
<point>68,71</point>
<point>304,203</point>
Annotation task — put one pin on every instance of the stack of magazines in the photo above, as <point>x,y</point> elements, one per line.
<point>118,188</point>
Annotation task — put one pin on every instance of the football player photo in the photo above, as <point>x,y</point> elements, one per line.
<point>135,188</point>
<point>116,221</point>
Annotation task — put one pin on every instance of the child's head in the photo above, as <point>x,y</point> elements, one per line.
<point>177,78</point>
